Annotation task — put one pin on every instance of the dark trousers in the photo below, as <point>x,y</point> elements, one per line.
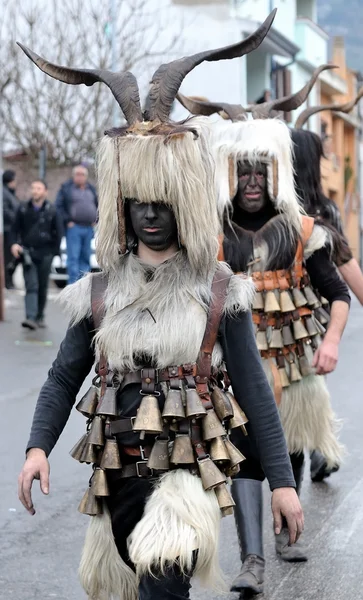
<point>36,278</point>
<point>126,505</point>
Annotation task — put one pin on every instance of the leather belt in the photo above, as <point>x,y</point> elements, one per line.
<point>119,426</point>
<point>161,375</point>
<point>138,469</point>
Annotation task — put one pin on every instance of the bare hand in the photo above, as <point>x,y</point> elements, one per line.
<point>16,250</point>
<point>36,466</point>
<point>285,503</point>
<point>326,357</point>
<point>70,224</point>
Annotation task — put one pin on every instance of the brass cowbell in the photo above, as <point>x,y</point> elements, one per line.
<point>239,418</point>
<point>210,475</point>
<point>299,330</point>
<point>284,380</point>
<point>96,435</point>
<point>305,367</point>
<point>258,303</point>
<point>287,336</point>
<point>286,303</point>
<point>312,299</point>
<point>276,339</point>
<point>88,403</point>
<point>261,340</point>
<point>182,453</point>
<point>271,303</point>
<point>194,404</point>
<point>310,326</point>
<point>111,456</point>
<point>225,500</point>
<point>173,408</point>
<point>148,417</point>
<point>90,453</point>
<point>211,426</point>
<point>90,505</point>
<point>218,451</point>
<point>295,374</point>
<point>236,457</point>
<point>298,297</point>
<point>322,315</point>
<point>99,483</point>
<point>222,404</point>
<point>78,448</point>
<point>159,455</point>
<point>108,404</point>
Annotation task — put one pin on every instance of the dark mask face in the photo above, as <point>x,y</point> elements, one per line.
<point>154,224</point>
<point>252,193</point>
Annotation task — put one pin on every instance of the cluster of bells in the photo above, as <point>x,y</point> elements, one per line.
<point>293,330</point>
<point>182,406</point>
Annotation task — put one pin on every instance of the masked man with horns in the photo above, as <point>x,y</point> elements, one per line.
<point>159,322</point>
<point>267,234</point>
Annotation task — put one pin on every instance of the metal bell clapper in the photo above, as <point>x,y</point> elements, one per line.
<point>78,448</point>
<point>111,456</point>
<point>271,302</point>
<point>218,451</point>
<point>99,485</point>
<point>286,303</point>
<point>159,455</point>
<point>258,303</point>
<point>211,426</point>
<point>182,453</point>
<point>239,417</point>
<point>173,408</point>
<point>90,505</point>
<point>298,298</point>
<point>148,417</point>
<point>96,434</point>
<point>221,404</point>
<point>235,456</point>
<point>225,500</point>
<point>210,475</point>
<point>88,403</point>
<point>194,404</point>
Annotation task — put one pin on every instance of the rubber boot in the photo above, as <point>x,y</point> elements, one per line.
<point>318,467</point>
<point>247,494</point>
<point>296,552</point>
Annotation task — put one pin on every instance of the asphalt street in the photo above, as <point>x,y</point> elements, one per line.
<point>39,555</point>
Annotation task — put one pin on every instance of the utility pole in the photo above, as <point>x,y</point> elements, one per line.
<point>2,269</point>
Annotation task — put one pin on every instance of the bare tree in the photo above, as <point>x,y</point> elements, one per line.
<point>36,111</point>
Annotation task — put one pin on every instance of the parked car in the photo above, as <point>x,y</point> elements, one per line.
<point>58,272</point>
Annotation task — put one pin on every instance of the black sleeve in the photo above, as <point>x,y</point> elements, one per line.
<point>58,394</point>
<point>253,393</point>
<point>325,278</point>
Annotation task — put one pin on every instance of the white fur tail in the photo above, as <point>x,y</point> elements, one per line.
<point>103,573</point>
<point>179,517</point>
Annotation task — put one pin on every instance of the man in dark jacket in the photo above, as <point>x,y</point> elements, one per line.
<point>77,204</point>
<point>36,237</point>
<point>10,206</point>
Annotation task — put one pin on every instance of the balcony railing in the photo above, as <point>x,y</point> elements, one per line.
<point>313,42</point>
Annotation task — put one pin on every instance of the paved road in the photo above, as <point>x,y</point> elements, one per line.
<point>39,555</point>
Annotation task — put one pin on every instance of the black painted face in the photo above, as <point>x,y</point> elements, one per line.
<point>252,195</point>
<point>154,224</point>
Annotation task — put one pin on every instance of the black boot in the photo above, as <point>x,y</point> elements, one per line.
<point>247,494</point>
<point>296,552</point>
<point>319,468</point>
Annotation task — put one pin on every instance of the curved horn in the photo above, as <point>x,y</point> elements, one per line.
<point>235,112</point>
<point>345,107</point>
<point>123,85</point>
<point>288,103</point>
<point>168,78</point>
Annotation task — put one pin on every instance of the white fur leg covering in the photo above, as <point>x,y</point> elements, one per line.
<point>179,517</point>
<point>103,573</point>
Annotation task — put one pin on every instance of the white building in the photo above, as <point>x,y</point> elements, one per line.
<point>295,46</point>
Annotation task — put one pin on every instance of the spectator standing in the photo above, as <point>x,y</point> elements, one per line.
<point>77,204</point>
<point>10,206</point>
<point>36,237</point>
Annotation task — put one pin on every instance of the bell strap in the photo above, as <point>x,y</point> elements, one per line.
<point>257,316</point>
<point>219,290</point>
<point>307,230</point>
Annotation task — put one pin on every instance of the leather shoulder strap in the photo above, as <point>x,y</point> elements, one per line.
<point>307,230</point>
<point>98,289</point>
<point>220,248</point>
<point>220,285</point>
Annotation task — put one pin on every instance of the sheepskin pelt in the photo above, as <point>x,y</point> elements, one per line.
<point>259,140</point>
<point>163,317</point>
<point>177,170</point>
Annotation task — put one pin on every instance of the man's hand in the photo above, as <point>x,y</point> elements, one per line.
<point>285,503</point>
<point>70,224</point>
<point>16,250</point>
<point>36,466</point>
<point>326,357</point>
